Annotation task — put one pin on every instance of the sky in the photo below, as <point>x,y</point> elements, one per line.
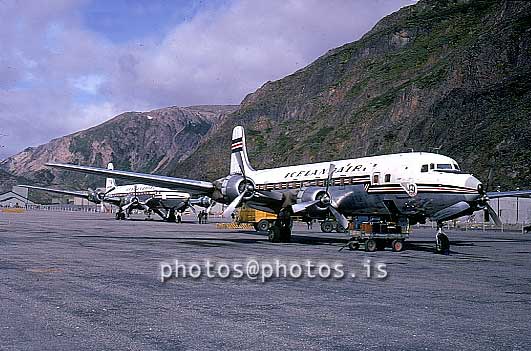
<point>66,65</point>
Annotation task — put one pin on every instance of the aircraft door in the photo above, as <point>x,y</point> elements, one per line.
<point>376,178</point>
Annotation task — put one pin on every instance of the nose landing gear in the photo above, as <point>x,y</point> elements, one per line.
<point>280,231</point>
<point>442,243</point>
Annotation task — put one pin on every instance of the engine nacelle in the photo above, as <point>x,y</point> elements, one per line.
<point>233,185</point>
<point>96,197</point>
<point>312,193</point>
<point>203,201</point>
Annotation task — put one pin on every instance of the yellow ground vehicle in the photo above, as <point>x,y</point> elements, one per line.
<point>259,219</point>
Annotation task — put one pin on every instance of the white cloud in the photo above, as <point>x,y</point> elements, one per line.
<point>89,83</point>
<point>216,57</point>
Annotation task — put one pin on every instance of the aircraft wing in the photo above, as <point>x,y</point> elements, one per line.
<point>82,194</point>
<point>515,193</point>
<point>188,185</point>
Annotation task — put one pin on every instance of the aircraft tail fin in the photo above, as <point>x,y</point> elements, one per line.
<point>110,182</point>
<point>239,153</point>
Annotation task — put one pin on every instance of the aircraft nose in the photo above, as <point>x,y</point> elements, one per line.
<point>473,182</point>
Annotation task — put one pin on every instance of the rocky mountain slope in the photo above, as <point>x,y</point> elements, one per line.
<point>144,142</point>
<point>7,181</point>
<point>452,75</point>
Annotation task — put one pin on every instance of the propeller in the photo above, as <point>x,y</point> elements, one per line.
<point>325,200</point>
<point>99,196</point>
<point>247,191</point>
<point>235,203</point>
<point>488,211</point>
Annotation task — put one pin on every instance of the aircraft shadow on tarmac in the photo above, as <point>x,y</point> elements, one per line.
<point>302,239</point>
<point>258,238</point>
<point>255,238</point>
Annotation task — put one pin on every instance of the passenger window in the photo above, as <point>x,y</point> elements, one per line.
<point>387,178</point>
<point>424,168</point>
<point>376,179</point>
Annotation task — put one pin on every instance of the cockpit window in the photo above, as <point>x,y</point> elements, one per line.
<point>444,166</point>
<point>456,166</point>
<point>424,168</point>
<point>432,166</point>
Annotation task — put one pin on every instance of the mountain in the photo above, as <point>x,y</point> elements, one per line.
<point>7,181</point>
<point>452,76</point>
<point>139,141</point>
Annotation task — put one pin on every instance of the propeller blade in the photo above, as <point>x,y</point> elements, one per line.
<point>339,217</point>
<point>493,215</point>
<point>331,171</point>
<point>489,179</point>
<point>193,209</point>
<point>232,206</point>
<point>303,205</point>
<point>240,163</point>
<point>108,191</point>
<point>486,215</point>
<point>126,207</point>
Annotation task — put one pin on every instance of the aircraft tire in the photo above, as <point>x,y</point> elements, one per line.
<point>262,225</point>
<point>274,234</point>
<point>443,243</point>
<point>353,245</point>
<point>370,245</point>
<point>327,227</point>
<point>397,245</point>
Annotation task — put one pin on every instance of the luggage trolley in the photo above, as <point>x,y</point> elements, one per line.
<point>377,235</point>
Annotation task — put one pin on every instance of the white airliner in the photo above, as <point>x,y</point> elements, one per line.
<point>397,187</point>
<point>163,201</point>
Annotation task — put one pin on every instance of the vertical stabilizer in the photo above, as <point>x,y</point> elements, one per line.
<point>239,153</point>
<point>109,182</point>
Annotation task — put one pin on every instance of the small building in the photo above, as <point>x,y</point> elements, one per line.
<point>18,197</point>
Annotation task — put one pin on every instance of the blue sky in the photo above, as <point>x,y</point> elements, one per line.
<point>134,20</point>
<point>66,65</point>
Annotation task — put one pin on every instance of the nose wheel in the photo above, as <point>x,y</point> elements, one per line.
<point>281,230</point>
<point>442,243</point>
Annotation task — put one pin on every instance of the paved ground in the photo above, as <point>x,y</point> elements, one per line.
<point>85,281</point>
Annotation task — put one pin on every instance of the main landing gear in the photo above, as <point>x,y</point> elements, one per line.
<point>280,231</point>
<point>120,215</point>
<point>442,243</point>
<point>171,217</point>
